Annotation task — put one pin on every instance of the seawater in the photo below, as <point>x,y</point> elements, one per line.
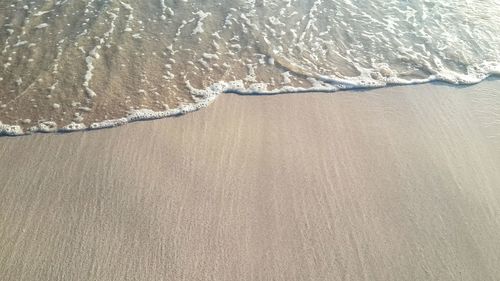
<point>71,65</point>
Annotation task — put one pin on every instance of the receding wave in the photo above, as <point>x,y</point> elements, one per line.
<point>72,65</point>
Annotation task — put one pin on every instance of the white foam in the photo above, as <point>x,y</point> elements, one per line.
<point>199,26</point>
<point>88,76</point>
<point>127,6</point>
<point>41,13</point>
<point>210,56</point>
<point>10,130</point>
<point>108,123</point>
<point>20,43</point>
<point>45,127</point>
<point>42,25</point>
<point>72,127</point>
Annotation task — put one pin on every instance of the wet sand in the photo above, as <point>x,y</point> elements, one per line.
<point>391,184</point>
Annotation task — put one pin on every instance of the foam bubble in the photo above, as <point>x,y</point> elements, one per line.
<point>45,127</point>
<point>72,127</point>
<point>10,130</point>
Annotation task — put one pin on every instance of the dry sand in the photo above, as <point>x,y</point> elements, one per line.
<point>391,184</point>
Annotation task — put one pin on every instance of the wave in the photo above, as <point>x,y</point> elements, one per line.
<point>69,66</point>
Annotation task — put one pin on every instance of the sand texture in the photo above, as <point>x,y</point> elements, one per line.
<point>392,184</point>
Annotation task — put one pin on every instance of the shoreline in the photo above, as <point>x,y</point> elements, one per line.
<point>205,97</point>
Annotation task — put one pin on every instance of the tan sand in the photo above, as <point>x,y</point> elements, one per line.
<point>391,184</point>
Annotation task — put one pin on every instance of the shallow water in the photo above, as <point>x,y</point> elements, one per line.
<point>84,62</point>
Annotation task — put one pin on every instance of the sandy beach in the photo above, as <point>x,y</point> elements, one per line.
<point>399,183</point>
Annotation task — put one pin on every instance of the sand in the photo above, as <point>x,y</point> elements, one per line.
<point>392,184</point>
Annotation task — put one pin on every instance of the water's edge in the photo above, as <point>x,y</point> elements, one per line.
<point>205,97</point>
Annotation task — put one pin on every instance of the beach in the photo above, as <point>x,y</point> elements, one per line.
<point>398,183</point>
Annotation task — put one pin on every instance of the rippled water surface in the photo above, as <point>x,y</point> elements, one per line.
<point>70,65</point>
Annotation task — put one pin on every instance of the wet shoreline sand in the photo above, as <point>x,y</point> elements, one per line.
<point>390,184</point>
